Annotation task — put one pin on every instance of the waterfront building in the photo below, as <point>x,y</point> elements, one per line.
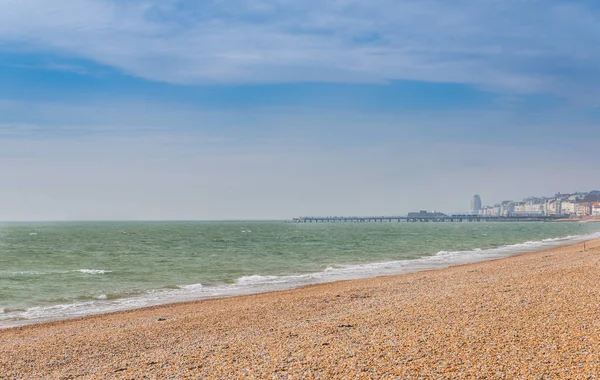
<point>507,208</point>
<point>573,204</point>
<point>476,204</point>
<point>552,207</point>
<point>534,207</point>
<point>528,208</point>
<point>497,209</point>
<point>583,209</point>
<point>518,208</point>
<point>596,209</point>
<point>568,207</point>
<point>487,211</point>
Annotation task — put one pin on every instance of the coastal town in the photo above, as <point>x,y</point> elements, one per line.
<point>576,205</point>
<point>560,207</point>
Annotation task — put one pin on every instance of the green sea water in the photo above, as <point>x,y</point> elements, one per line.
<point>59,270</point>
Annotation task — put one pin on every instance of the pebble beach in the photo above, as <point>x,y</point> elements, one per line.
<point>536,315</point>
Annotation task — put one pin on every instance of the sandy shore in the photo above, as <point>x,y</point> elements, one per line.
<point>531,316</point>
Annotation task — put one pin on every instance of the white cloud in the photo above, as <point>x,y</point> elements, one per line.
<point>511,45</point>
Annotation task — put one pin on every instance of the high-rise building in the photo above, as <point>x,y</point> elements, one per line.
<point>476,204</point>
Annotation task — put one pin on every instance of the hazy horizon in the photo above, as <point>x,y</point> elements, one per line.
<point>179,110</point>
<point>288,218</point>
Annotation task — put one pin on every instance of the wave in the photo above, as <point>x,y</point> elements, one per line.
<point>190,287</point>
<point>21,273</point>
<point>25,273</point>
<point>93,271</point>
<point>257,283</point>
<point>528,246</point>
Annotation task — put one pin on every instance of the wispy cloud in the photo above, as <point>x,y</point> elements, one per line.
<point>509,46</point>
<point>76,69</point>
<point>511,124</point>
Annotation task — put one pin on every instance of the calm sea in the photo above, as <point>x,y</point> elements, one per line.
<point>61,270</point>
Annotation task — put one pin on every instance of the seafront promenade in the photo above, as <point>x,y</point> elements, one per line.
<point>528,316</point>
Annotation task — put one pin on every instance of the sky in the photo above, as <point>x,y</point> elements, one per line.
<point>272,109</point>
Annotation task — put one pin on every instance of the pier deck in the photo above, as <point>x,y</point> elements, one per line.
<point>425,218</point>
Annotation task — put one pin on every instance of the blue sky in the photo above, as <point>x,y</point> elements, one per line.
<point>239,109</point>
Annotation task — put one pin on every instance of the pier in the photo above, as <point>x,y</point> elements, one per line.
<point>428,217</point>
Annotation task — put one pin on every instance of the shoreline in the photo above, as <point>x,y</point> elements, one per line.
<point>524,315</point>
<point>439,261</point>
<point>42,323</point>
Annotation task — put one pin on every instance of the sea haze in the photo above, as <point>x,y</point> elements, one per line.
<point>61,270</point>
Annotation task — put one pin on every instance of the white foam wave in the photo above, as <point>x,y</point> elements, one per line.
<point>22,273</point>
<point>527,246</point>
<point>93,271</point>
<point>191,287</point>
<point>256,279</point>
<point>51,272</point>
<point>561,238</point>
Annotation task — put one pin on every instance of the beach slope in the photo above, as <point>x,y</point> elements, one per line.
<point>531,316</point>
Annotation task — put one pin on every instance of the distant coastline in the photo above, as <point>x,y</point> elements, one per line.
<point>573,205</point>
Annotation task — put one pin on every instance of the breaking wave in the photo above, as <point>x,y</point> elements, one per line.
<point>93,271</point>
<point>27,273</point>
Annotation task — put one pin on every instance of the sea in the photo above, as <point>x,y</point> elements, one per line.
<point>51,271</point>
